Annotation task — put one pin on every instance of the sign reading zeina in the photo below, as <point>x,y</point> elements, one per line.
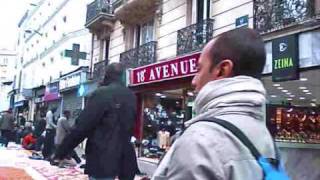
<point>172,69</point>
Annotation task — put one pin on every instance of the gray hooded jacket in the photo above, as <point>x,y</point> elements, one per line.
<point>207,151</point>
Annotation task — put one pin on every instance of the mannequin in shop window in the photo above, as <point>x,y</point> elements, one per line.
<point>163,139</point>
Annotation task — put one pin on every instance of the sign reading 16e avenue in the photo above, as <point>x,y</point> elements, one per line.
<point>285,58</point>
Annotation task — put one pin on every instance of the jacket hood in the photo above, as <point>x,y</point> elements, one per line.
<point>241,95</point>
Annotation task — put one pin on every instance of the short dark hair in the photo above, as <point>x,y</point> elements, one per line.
<point>66,113</point>
<point>113,73</point>
<point>244,47</point>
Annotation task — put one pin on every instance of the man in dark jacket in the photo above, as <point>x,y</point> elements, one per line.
<point>107,121</point>
<point>7,126</point>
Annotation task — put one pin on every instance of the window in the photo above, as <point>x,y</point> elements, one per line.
<point>50,78</point>
<point>61,53</point>
<point>52,59</point>
<point>54,27</point>
<point>146,33</point>
<point>43,64</point>
<point>65,19</point>
<point>46,35</point>
<point>5,60</point>
<point>37,41</point>
<point>31,45</point>
<point>27,49</point>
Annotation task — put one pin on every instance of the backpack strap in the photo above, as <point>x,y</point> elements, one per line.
<point>239,134</point>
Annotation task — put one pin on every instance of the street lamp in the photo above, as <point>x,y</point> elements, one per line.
<point>30,31</point>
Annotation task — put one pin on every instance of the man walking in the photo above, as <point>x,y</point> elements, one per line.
<point>228,88</point>
<point>50,134</point>
<point>7,126</point>
<point>107,121</point>
<point>63,129</point>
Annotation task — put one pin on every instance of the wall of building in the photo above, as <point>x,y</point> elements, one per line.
<point>226,12</point>
<point>7,62</point>
<point>59,27</point>
<point>174,17</point>
<point>117,44</point>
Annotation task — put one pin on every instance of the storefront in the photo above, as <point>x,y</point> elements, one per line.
<point>21,107</point>
<point>39,109</point>
<point>293,110</point>
<point>165,99</point>
<point>293,86</point>
<point>72,91</point>
<point>52,97</point>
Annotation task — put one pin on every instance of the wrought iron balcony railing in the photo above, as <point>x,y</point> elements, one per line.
<point>99,70</point>
<point>194,37</point>
<point>143,55</point>
<point>118,3</point>
<point>97,7</point>
<point>270,15</point>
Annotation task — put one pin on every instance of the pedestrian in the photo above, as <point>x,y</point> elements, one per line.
<point>39,132</point>
<point>228,88</point>
<point>22,120</point>
<point>107,121</point>
<point>48,148</point>
<point>7,126</point>
<point>63,129</point>
<point>29,141</point>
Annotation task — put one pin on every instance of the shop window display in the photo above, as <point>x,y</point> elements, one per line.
<point>164,116</point>
<point>294,124</point>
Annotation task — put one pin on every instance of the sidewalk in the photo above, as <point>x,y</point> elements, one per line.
<point>15,162</point>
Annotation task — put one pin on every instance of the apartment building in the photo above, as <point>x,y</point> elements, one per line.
<point>160,42</point>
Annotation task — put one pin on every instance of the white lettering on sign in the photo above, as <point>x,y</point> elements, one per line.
<point>152,77</point>
<point>174,69</point>
<point>193,65</point>
<point>70,81</point>
<point>141,76</point>
<point>184,67</point>
<point>166,71</point>
<point>158,70</point>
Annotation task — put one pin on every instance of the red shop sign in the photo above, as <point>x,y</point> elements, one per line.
<point>172,69</point>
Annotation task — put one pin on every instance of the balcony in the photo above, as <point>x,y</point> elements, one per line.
<point>194,37</point>
<point>99,15</point>
<point>99,70</point>
<point>135,11</point>
<point>273,15</point>
<point>143,55</point>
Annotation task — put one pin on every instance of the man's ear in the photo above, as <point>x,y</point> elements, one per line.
<point>225,69</point>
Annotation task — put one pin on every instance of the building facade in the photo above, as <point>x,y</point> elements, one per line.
<point>7,62</point>
<point>52,41</point>
<point>160,41</point>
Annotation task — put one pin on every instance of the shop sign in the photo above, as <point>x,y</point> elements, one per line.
<point>19,103</point>
<point>38,100</point>
<point>172,69</point>
<point>242,21</point>
<point>72,80</point>
<point>285,58</point>
<point>52,92</point>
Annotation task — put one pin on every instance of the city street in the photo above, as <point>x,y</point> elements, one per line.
<point>16,164</point>
<point>98,89</point>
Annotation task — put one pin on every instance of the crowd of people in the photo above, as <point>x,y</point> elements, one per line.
<point>43,135</point>
<point>228,90</point>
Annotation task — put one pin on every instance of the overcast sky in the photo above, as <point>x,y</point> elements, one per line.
<point>11,11</point>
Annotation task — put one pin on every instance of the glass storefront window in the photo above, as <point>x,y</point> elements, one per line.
<point>293,110</point>
<point>164,114</point>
